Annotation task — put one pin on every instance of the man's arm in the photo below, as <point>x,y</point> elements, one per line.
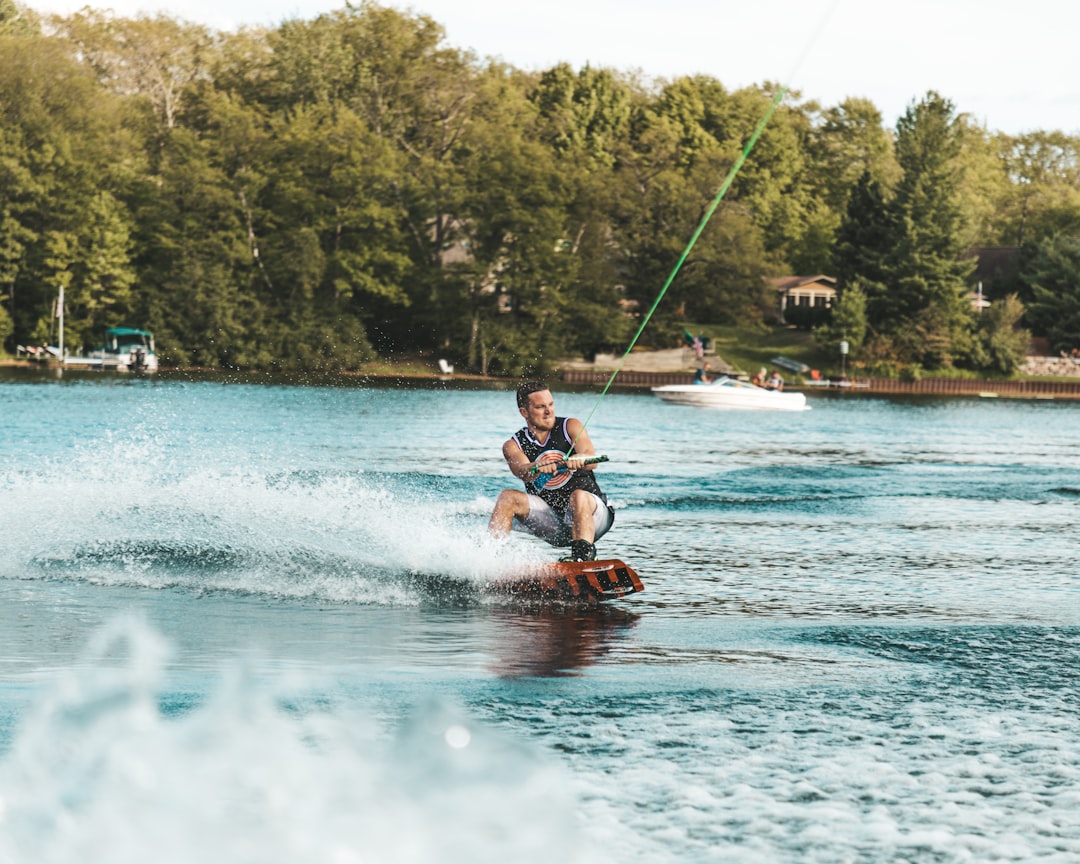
<point>516,460</point>
<point>519,463</point>
<point>583,446</point>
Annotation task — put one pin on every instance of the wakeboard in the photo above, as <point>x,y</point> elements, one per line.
<point>573,581</point>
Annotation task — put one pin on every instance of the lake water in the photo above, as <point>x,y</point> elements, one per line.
<point>240,621</point>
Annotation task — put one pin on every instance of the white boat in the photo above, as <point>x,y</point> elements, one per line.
<point>125,348</point>
<point>727,392</point>
<point>129,348</point>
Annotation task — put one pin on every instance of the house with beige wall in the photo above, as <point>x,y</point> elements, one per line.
<point>805,291</point>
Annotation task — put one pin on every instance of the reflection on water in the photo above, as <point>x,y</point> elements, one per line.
<point>547,642</point>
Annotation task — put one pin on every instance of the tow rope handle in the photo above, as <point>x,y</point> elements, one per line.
<point>539,480</point>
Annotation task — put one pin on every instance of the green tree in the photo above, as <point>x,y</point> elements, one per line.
<point>666,179</point>
<point>511,223</point>
<point>847,322</point>
<point>863,245</point>
<point>843,144</point>
<point>906,252</point>
<point>60,135</point>
<point>333,245</point>
<point>586,114</point>
<point>7,326</point>
<point>1054,277</point>
<point>927,270</point>
<point>1044,173</point>
<point>585,118</point>
<point>293,195</point>
<point>191,242</point>
<point>983,184</point>
<point>847,143</point>
<point>774,184</point>
<point>102,274</point>
<point>153,59</point>
<point>420,98</point>
<point>1000,342</point>
<point>15,21</point>
<point>14,238</point>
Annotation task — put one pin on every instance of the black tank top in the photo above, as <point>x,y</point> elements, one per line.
<point>557,491</point>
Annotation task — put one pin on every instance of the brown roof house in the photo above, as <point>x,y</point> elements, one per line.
<point>804,293</point>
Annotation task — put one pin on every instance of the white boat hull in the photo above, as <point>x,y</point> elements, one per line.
<point>727,393</point>
<point>103,360</point>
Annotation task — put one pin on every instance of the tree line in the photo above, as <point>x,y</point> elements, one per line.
<point>318,194</point>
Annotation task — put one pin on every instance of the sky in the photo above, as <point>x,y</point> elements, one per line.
<point>1013,67</point>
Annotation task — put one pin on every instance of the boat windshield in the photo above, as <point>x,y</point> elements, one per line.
<point>130,342</point>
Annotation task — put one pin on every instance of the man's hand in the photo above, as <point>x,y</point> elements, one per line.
<point>550,463</point>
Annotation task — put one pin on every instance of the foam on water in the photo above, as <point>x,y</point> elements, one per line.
<point>102,770</point>
<point>809,782</point>
<point>934,744</point>
<point>868,745</point>
<point>125,514</point>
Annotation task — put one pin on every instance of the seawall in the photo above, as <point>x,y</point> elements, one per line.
<point>1021,389</point>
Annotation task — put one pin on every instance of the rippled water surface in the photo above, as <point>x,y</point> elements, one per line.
<point>245,621</point>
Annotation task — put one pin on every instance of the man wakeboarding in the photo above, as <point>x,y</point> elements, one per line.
<point>562,502</point>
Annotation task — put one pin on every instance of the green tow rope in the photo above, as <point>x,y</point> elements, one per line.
<point>777,97</point>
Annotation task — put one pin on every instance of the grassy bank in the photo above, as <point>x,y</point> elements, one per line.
<point>750,348</point>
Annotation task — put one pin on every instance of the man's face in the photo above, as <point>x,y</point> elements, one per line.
<point>540,410</point>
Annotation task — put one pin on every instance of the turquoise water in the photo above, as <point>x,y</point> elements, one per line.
<point>241,621</point>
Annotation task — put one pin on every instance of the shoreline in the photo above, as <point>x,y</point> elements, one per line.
<point>384,371</point>
<point>577,375</point>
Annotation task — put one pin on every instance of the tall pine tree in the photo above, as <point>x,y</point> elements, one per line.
<point>905,250</point>
<point>929,316</point>
<point>1054,277</point>
<point>862,246</point>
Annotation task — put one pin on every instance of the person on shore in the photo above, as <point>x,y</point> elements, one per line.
<point>702,375</point>
<point>562,502</point>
